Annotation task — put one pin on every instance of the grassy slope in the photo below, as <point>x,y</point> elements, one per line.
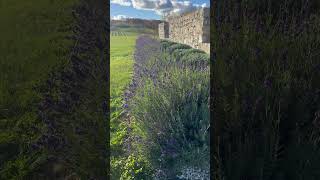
<point>32,44</point>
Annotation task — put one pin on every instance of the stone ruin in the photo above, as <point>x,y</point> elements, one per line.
<point>192,28</point>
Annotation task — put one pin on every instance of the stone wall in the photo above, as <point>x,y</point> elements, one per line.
<point>192,29</point>
<point>163,30</point>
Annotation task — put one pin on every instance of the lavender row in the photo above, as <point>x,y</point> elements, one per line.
<point>152,56</point>
<point>168,98</point>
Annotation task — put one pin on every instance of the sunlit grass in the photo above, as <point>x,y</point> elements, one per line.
<point>121,67</point>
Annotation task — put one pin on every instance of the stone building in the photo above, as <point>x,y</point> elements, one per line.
<point>192,28</point>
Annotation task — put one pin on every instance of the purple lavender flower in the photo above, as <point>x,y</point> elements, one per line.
<point>125,105</point>
<point>267,82</point>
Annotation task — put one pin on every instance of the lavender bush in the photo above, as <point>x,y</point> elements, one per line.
<point>266,89</point>
<point>168,100</point>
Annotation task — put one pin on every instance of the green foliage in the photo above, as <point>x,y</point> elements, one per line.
<point>185,55</point>
<point>134,27</point>
<point>136,168</point>
<point>117,139</point>
<point>121,52</point>
<point>195,58</point>
<point>177,46</point>
<point>171,113</point>
<point>52,123</point>
<point>185,52</point>
<point>32,45</point>
<point>165,44</point>
<point>266,89</point>
<point>132,167</point>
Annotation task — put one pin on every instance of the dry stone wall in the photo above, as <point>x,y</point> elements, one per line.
<point>192,29</point>
<point>163,30</point>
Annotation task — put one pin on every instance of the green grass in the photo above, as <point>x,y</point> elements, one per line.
<point>131,29</point>
<point>36,68</point>
<point>121,67</point>
<point>32,44</point>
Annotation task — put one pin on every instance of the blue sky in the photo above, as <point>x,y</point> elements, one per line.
<point>152,9</point>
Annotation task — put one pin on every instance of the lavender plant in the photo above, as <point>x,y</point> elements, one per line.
<point>168,100</point>
<point>266,89</point>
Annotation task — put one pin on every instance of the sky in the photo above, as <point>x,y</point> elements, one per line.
<point>152,9</point>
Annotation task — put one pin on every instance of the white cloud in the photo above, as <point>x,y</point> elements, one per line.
<point>120,17</point>
<point>182,7</point>
<point>204,5</point>
<point>144,4</point>
<point>122,2</point>
<point>201,5</point>
<point>165,7</point>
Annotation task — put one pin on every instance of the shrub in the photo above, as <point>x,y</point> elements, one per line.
<point>177,46</point>
<point>169,103</point>
<point>196,60</point>
<point>165,44</point>
<point>184,55</point>
<point>266,90</point>
<point>130,168</point>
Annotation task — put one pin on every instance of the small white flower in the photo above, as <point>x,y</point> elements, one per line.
<point>194,174</point>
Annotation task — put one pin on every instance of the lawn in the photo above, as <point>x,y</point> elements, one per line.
<point>32,44</point>
<point>36,68</point>
<point>121,67</point>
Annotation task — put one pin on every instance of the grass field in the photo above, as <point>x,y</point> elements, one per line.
<point>121,62</point>
<point>36,68</point>
<point>28,51</point>
<point>121,67</point>
<point>129,29</point>
<point>32,44</point>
